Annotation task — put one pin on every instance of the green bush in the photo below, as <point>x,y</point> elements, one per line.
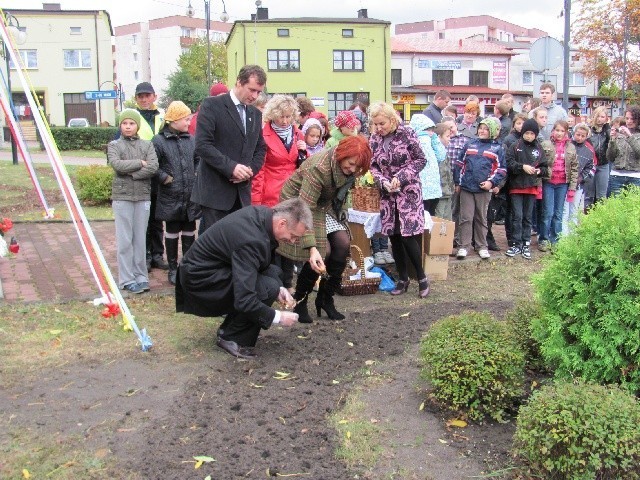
<point>474,364</point>
<point>94,183</point>
<point>589,291</point>
<point>580,431</point>
<point>520,319</point>
<point>91,138</point>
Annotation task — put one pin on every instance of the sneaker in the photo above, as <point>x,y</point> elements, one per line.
<point>462,253</point>
<point>513,251</point>
<point>388,258</point>
<point>144,286</point>
<point>133,288</point>
<point>484,254</point>
<point>526,252</point>
<point>378,258</point>
<point>544,245</point>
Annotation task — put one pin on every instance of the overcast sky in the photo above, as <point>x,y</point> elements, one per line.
<point>542,14</point>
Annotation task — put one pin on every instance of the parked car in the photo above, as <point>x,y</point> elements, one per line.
<point>79,122</point>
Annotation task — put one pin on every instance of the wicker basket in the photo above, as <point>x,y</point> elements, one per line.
<point>362,286</point>
<point>366,199</point>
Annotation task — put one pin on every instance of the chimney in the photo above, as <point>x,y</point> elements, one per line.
<point>263,13</point>
<point>51,7</point>
<point>362,13</point>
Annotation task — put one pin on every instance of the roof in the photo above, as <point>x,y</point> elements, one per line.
<point>28,12</point>
<point>469,22</point>
<point>317,20</point>
<point>419,44</point>
<point>460,89</point>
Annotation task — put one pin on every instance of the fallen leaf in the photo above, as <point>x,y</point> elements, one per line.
<point>55,332</point>
<point>208,477</point>
<point>374,420</point>
<point>56,310</point>
<point>335,382</point>
<point>348,434</point>
<point>404,315</point>
<point>350,344</point>
<point>442,441</point>
<point>457,423</point>
<point>369,362</point>
<point>204,459</point>
<point>302,337</point>
<point>343,422</point>
<point>256,386</point>
<point>25,473</point>
<point>198,464</point>
<point>421,407</point>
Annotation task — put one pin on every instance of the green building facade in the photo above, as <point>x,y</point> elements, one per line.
<point>332,61</point>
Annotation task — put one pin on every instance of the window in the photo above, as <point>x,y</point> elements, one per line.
<point>75,30</point>
<point>442,77</point>
<point>136,76</point>
<point>287,60</point>
<point>339,101</point>
<point>441,36</point>
<point>77,58</point>
<point>396,76</point>
<point>576,79</point>
<point>347,32</point>
<point>135,57</point>
<point>283,32</point>
<point>134,39</point>
<point>29,59</point>
<point>478,78</point>
<point>348,60</point>
<point>185,32</point>
<point>527,77</point>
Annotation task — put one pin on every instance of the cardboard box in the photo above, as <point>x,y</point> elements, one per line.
<point>439,241</point>
<point>436,266</point>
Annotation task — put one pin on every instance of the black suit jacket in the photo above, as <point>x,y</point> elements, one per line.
<point>221,144</point>
<point>221,271</point>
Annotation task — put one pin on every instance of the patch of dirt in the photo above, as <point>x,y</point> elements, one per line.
<point>154,413</point>
<point>27,200</point>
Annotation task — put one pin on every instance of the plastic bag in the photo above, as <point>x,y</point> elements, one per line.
<point>386,282</point>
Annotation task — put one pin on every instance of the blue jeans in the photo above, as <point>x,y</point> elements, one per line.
<point>553,197</point>
<point>618,182</point>
<point>379,243</point>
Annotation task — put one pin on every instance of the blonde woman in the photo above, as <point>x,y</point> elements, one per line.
<point>397,162</point>
<point>596,188</point>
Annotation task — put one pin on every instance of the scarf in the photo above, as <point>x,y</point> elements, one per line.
<point>285,134</point>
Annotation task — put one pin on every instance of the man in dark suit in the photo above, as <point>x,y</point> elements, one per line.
<point>230,146</point>
<point>228,271</point>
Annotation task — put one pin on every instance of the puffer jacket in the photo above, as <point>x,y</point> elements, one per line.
<point>176,160</point>
<point>132,181</point>
<point>480,160</point>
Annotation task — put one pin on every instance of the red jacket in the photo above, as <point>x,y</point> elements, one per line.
<point>278,167</point>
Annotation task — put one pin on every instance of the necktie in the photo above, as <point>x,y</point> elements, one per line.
<point>243,118</point>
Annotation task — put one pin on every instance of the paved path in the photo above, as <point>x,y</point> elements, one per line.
<point>66,159</point>
<point>52,267</point>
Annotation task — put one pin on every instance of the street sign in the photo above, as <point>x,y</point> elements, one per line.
<point>583,101</point>
<point>101,95</point>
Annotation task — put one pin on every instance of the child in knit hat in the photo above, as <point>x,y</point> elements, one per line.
<point>135,163</point>
<point>527,163</point>
<point>346,124</point>
<point>479,169</point>
<point>176,175</point>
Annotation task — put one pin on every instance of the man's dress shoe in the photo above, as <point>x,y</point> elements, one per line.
<point>234,349</point>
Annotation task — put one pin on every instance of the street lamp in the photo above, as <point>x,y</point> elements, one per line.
<point>625,45</point>
<point>13,26</point>
<point>224,17</point>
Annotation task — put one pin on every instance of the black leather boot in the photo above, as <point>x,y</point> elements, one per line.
<point>304,285</point>
<point>171,245</point>
<point>328,287</point>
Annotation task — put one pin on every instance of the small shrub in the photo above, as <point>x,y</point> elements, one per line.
<point>589,291</point>
<point>580,431</point>
<point>94,183</point>
<point>520,319</point>
<point>474,363</point>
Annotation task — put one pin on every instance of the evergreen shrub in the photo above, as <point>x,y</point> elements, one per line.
<point>90,138</point>
<point>580,431</point>
<point>474,364</point>
<point>589,291</point>
<point>94,183</point>
<point>520,318</point>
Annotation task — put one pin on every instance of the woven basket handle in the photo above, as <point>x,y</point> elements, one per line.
<point>360,258</point>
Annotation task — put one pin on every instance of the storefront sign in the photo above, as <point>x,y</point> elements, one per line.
<point>407,99</point>
<point>440,64</point>
<point>604,103</point>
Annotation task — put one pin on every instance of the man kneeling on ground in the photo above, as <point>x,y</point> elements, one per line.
<point>228,271</point>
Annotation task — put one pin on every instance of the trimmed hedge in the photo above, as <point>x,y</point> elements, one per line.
<point>589,291</point>
<point>580,431</point>
<point>94,183</point>
<point>474,364</point>
<point>520,318</point>
<point>91,138</point>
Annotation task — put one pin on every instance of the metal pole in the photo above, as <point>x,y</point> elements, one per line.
<point>625,44</point>
<point>14,150</point>
<point>567,54</point>
<point>207,7</point>
<point>120,95</point>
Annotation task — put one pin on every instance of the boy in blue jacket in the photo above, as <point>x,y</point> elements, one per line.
<point>479,169</point>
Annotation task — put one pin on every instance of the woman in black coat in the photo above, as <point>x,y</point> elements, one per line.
<point>176,176</point>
